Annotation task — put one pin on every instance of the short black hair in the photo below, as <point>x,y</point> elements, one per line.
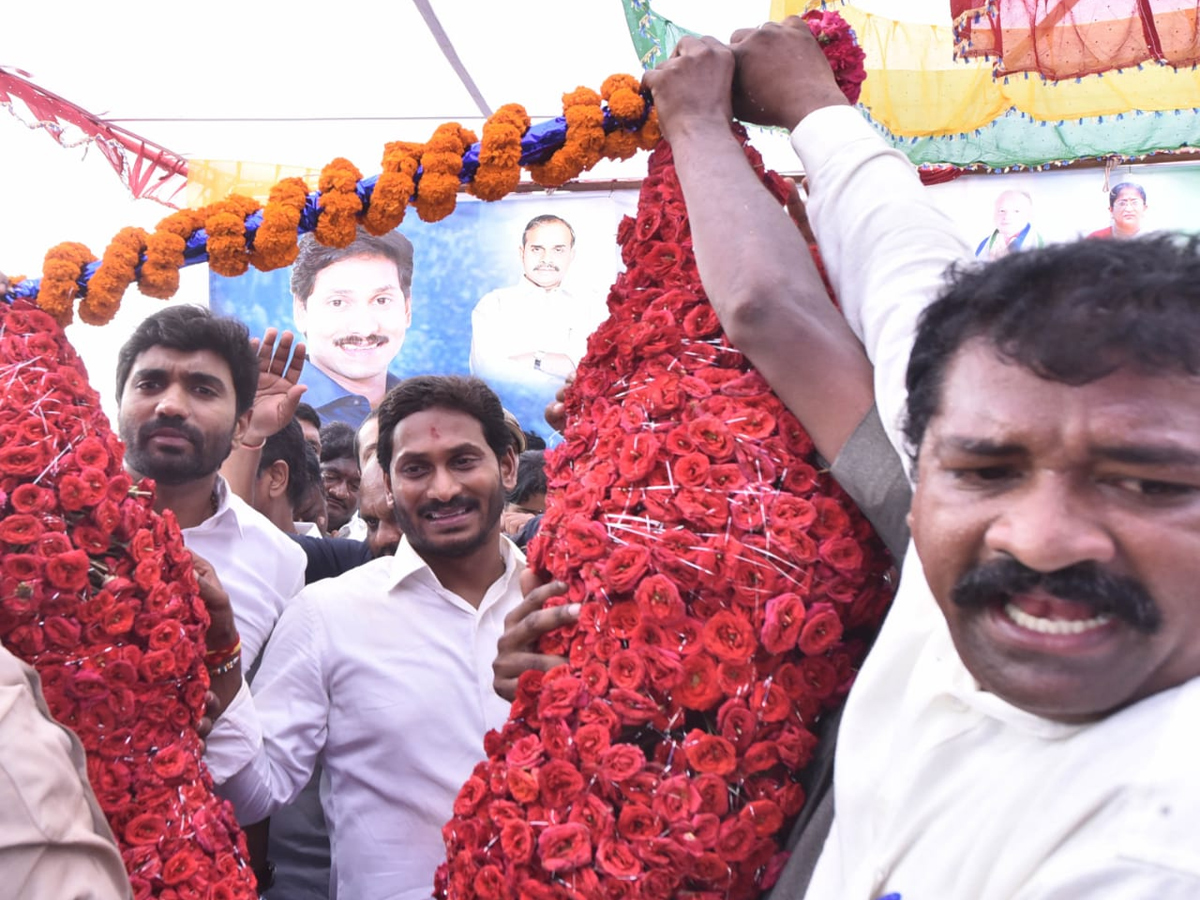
<point>531,476</point>
<point>315,256</point>
<point>546,220</point>
<point>287,444</point>
<point>306,413</point>
<point>1130,185</point>
<point>337,442</point>
<point>1071,313</point>
<point>191,329</point>
<point>463,394</point>
<point>373,414</point>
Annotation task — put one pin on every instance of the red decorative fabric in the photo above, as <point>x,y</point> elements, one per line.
<point>1071,38</point>
<point>149,171</point>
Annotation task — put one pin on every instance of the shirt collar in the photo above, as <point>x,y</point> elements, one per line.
<point>332,401</point>
<point>525,286</point>
<point>407,564</point>
<point>228,507</point>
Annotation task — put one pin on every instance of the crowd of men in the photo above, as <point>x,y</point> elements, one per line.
<point>1022,727</point>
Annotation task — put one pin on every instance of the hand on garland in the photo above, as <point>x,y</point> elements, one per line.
<point>782,74</point>
<point>692,89</point>
<point>516,652</point>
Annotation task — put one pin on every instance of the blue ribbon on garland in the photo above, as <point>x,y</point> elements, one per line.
<point>537,145</point>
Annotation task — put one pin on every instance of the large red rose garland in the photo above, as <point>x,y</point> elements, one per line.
<point>728,587</point>
<point>98,593</point>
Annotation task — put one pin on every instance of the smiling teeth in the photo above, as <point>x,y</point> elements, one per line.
<point>1054,626</point>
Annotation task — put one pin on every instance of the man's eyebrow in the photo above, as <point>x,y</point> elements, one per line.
<point>349,292</point>
<point>206,379</point>
<point>465,447</point>
<point>1149,454</point>
<point>983,446</point>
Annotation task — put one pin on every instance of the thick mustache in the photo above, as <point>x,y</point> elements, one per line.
<point>545,267</point>
<point>189,432</point>
<point>1086,583</point>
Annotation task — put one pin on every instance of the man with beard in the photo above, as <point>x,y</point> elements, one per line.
<point>526,339</point>
<point>186,384</point>
<point>384,673</point>
<point>354,306</point>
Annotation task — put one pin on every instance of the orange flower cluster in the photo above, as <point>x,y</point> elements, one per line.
<point>394,187</point>
<point>61,271</point>
<point>623,95</point>
<point>275,244</point>
<point>340,206</point>
<point>117,271</point>
<point>584,144</point>
<point>225,222</point>
<point>434,195</point>
<point>441,163</point>
<point>499,170</point>
<point>164,253</point>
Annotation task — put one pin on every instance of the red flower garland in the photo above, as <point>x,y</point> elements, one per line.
<point>727,585</point>
<point>99,595</point>
<point>728,590</point>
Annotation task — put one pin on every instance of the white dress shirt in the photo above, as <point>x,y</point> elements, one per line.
<point>385,677</point>
<point>526,319</point>
<point>943,791</point>
<point>259,566</point>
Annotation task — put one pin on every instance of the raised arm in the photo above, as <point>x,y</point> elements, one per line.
<point>753,260</point>
<point>275,403</point>
<point>884,243</point>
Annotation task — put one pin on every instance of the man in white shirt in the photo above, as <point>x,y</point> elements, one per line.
<point>1020,729</point>
<point>186,384</point>
<point>383,675</point>
<point>526,339</point>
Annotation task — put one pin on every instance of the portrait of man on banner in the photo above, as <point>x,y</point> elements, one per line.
<point>527,338</point>
<point>391,307</point>
<point>353,305</point>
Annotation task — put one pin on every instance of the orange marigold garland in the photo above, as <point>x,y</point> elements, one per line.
<point>584,143</point>
<point>394,187</point>
<point>499,170</point>
<point>61,271</point>
<point>627,106</point>
<point>225,222</point>
<point>340,205</point>
<point>441,164</point>
<point>275,244</point>
<point>274,241</point>
<point>164,253</point>
<point>117,271</point>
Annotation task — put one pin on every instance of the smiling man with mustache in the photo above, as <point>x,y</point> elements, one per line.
<point>383,674</point>
<point>354,306</point>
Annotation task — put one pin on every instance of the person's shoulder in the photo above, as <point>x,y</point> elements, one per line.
<point>361,583</point>
<point>258,528</point>
<point>490,302</point>
<point>329,557</point>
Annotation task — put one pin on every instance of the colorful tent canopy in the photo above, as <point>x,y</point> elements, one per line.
<point>941,109</point>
